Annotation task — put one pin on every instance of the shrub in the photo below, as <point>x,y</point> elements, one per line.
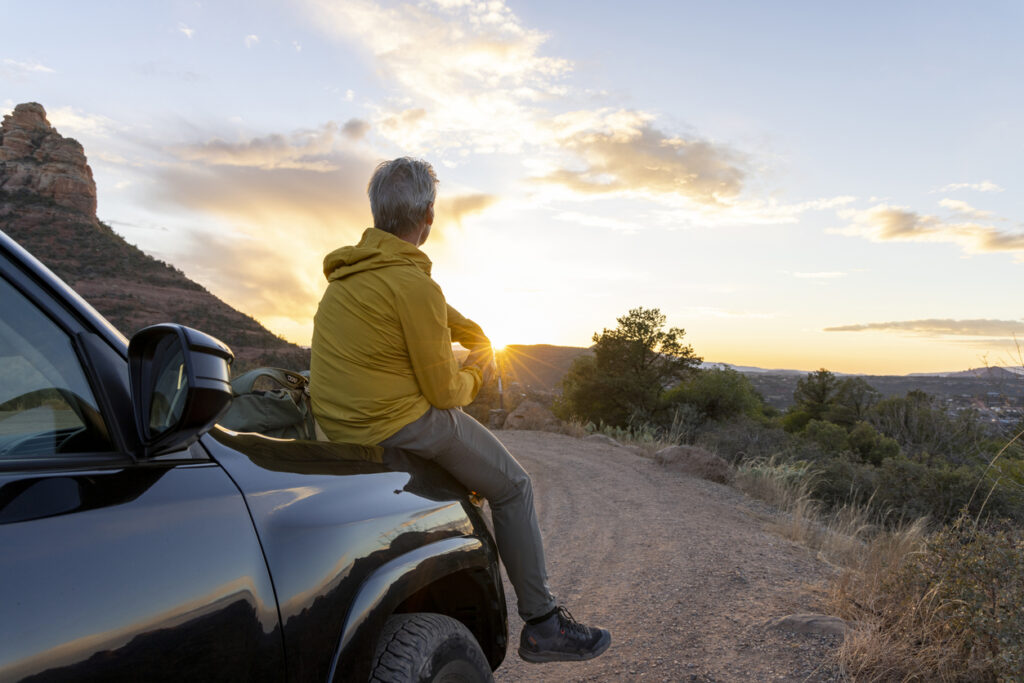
<point>871,446</point>
<point>718,395</point>
<point>742,438</point>
<point>953,610</point>
<point>831,438</point>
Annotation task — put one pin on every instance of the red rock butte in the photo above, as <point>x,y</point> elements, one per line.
<point>37,159</point>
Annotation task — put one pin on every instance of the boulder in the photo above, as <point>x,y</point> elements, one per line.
<point>695,461</point>
<point>814,624</point>
<point>496,418</point>
<point>531,415</point>
<point>602,438</point>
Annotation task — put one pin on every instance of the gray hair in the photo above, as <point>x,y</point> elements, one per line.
<point>400,193</point>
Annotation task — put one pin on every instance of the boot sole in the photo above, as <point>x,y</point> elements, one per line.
<point>552,656</point>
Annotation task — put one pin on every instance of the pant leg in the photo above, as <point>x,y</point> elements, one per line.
<point>475,457</point>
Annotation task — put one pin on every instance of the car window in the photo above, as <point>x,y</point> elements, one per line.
<point>46,405</point>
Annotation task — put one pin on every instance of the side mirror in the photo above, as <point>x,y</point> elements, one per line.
<point>179,383</point>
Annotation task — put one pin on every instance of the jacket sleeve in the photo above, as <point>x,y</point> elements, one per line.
<point>423,313</point>
<point>465,331</point>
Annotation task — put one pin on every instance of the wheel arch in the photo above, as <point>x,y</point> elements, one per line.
<point>419,581</point>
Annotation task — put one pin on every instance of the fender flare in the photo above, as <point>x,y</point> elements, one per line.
<point>387,587</point>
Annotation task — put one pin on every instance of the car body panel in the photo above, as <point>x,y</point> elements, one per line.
<point>133,574</point>
<point>346,516</point>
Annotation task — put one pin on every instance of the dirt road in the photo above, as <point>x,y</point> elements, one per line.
<point>680,570</point>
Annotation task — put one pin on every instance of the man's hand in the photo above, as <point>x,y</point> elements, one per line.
<point>483,359</point>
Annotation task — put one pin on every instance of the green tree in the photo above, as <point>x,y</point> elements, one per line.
<point>718,394</point>
<point>814,394</point>
<point>632,366</point>
<point>851,401</point>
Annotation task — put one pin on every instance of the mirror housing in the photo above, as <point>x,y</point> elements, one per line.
<point>179,384</point>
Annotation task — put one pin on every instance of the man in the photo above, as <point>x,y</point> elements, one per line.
<point>383,373</point>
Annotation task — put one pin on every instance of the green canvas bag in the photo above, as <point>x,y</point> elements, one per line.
<point>271,401</point>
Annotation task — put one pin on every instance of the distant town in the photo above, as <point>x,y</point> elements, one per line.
<point>997,394</point>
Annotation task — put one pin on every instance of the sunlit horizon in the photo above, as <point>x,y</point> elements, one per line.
<point>797,186</point>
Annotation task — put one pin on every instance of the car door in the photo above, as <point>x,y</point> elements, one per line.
<point>112,568</point>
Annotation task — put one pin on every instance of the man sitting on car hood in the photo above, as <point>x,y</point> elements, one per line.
<point>383,373</point>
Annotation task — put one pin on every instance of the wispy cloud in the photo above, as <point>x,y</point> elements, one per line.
<point>290,198</point>
<point>473,68</point>
<point>304,149</point>
<point>936,327</point>
<point>189,32</point>
<point>74,122</point>
<point>469,77</point>
<point>19,70</point>
<point>623,151</point>
<point>965,210</point>
<point>983,186</point>
<point>251,40</point>
<point>884,223</point>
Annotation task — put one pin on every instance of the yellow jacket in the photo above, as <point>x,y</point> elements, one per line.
<point>382,342</point>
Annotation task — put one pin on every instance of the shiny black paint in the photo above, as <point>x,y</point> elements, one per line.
<point>352,521</point>
<point>141,573</point>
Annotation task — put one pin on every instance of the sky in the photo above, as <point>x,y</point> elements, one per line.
<point>796,184</point>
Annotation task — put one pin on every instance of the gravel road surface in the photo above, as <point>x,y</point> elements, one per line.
<point>680,570</point>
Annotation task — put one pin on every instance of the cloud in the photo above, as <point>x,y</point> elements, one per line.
<point>454,209</point>
<point>934,327</point>
<point>251,40</point>
<point>983,186</point>
<point>355,129</point>
<point>472,68</point>
<point>964,210</point>
<point>469,77</point>
<point>304,149</point>
<point>73,122</point>
<point>285,213</point>
<point>19,70</point>
<point>189,32</point>
<point>622,151</point>
<point>884,223</point>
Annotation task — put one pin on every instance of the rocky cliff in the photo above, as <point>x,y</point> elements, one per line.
<point>37,160</point>
<point>48,204</point>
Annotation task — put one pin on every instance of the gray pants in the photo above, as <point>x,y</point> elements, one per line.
<point>475,457</point>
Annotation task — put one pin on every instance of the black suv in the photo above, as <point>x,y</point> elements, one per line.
<point>139,542</point>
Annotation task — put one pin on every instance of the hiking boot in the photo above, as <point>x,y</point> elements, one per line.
<point>560,638</point>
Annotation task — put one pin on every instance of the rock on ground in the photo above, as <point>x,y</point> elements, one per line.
<point>695,461</point>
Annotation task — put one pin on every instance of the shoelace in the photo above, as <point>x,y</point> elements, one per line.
<point>566,621</point>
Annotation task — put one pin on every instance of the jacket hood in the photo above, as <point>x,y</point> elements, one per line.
<point>376,249</point>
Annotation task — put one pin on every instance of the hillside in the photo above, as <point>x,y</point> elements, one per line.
<point>538,366</point>
<point>48,204</point>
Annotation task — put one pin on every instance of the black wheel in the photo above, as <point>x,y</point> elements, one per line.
<point>428,648</point>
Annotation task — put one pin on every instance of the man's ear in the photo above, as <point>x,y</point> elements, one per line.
<point>429,217</point>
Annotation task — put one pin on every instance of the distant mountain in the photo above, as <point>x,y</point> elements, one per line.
<point>48,204</point>
<point>749,369</point>
<point>538,366</point>
<point>992,373</point>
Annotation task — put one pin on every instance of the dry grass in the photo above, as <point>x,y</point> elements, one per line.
<point>839,536</point>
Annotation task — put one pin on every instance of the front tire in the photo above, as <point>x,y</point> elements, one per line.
<point>428,648</point>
